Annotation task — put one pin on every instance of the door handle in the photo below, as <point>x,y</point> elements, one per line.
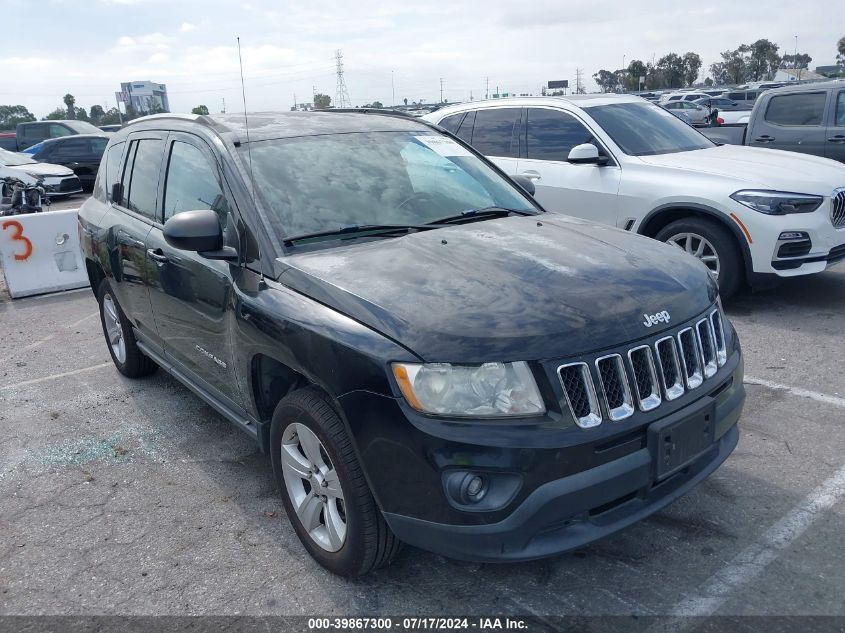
<point>839,138</point>
<point>157,256</point>
<point>764,139</point>
<point>531,174</point>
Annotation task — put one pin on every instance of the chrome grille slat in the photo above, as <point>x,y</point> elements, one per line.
<point>670,368</point>
<point>690,358</point>
<point>645,377</point>
<point>580,394</point>
<point>707,346</point>
<point>614,387</point>
<point>837,211</point>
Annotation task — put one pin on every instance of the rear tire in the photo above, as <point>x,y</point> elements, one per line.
<point>705,239</point>
<point>120,339</point>
<point>301,418</point>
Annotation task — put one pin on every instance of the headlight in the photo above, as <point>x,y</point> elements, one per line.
<point>491,390</point>
<point>778,202</point>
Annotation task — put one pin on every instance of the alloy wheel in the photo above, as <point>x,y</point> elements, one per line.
<point>699,247</point>
<point>114,331</point>
<point>313,486</point>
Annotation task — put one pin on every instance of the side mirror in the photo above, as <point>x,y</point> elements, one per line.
<point>198,231</point>
<point>117,193</point>
<point>525,182</point>
<point>586,154</point>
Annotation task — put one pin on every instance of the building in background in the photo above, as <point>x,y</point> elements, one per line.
<point>145,97</point>
<point>797,74</point>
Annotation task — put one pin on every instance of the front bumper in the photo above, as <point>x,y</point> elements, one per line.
<point>570,512</point>
<point>61,185</point>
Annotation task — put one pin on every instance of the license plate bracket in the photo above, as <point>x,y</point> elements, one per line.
<point>676,441</point>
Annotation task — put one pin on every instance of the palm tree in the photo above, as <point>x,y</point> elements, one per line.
<point>69,102</point>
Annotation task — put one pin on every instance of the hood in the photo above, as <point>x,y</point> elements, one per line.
<point>517,288</point>
<point>760,168</point>
<point>44,169</point>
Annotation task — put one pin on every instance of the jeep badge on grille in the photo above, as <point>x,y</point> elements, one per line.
<point>657,317</point>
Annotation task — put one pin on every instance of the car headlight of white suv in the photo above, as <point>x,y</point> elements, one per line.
<point>778,202</point>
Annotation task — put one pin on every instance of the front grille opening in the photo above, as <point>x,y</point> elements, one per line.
<point>610,505</point>
<point>725,385</point>
<point>798,248</point>
<point>837,214</point>
<point>614,384</point>
<point>645,378</point>
<point>576,390</point>
<point>689,358</point>
<point>636,437</point>
<point>580,394</point>
<point>708,348</point>
<point>670,369</point>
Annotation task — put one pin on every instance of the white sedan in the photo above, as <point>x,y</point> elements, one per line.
<point>56,179</point>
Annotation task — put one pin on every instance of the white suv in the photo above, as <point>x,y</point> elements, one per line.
<point>749,214</point>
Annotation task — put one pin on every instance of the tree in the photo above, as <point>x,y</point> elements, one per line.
<point>70,100</point>
<point>708,81</point>
<point>606,80</point>
<point>81,114</point>
<point>111,117</point>
<point>97,114</point>
<point>131,112</point>
<point>673,70</point>
<point>733,69</point>
<point>11,115</point>
<point>692,64</point>
<point>635,70</point>
<point>840,47</point>
<point>57,115</point>
<point>801,60</point>
<point>200,109</point>
<point>763,61</point>
<point>321,101</point>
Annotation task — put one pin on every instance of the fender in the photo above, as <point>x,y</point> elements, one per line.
<point>708,211</point>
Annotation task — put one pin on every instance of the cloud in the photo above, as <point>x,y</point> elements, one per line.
<point>142,43</point>
<point>187,27</point>
<point>26,63</point>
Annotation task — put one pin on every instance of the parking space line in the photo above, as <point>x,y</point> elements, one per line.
<point>806,393</point>
<point>753,560</point>
<point>55,376</point>
<point>50,337</point>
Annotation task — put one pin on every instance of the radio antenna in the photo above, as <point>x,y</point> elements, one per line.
<point>246,126</point>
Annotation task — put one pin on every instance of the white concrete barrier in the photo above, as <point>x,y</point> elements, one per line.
<point>40,253</point>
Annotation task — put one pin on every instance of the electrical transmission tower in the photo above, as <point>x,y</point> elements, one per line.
<point>341,95</point>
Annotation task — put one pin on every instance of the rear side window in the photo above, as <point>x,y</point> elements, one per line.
<point>192,183</point>
<point>34,132</point>
<point>98,145</point>
<point>112,168</point>
<point>804,108</point>
<point>493,132</point>
<point>551,134</point>
<point>72,147</point>
<point>840,110</point>
<point>465,129</point>
<point>59,130</point>
<point>142,176</point>
<point>451,123</point>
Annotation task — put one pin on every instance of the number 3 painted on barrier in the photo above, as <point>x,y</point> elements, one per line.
<point>18,236</point>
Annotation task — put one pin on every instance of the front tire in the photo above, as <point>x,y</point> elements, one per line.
<point>120,339</point>
<point>323,488</point>
<point>713,245</point>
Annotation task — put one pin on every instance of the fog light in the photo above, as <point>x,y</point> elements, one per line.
<point>475,487</point>
<point>793,235</point>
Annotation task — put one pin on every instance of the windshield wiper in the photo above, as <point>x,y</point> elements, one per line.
<point>483,213</point>
<point>352,230</point>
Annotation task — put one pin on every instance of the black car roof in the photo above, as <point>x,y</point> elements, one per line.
<point>58,139</point>
<point>270,125</point>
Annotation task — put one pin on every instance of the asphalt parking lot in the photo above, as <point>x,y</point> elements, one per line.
<point>134,497</point>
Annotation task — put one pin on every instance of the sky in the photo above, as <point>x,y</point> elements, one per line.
<point>88,47</point>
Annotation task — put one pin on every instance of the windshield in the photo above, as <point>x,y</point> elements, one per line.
<point>11,159</point>
<point>326,182</point>
<point>644,129</point>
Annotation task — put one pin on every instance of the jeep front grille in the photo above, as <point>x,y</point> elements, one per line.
<point>654,373</point>
<point>837,212</point>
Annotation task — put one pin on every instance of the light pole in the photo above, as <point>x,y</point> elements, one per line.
<point>392,90</point>
<point>623,73</point>
<point>795,60</point>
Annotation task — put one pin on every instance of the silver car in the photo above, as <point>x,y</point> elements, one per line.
<point>696,114</point>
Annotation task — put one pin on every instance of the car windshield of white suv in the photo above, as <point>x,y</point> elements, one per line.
<point>12,159</point>
<point>643,129</point>
<point>339,182</point>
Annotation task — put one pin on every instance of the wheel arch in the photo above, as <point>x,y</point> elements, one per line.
<point>664,215</point>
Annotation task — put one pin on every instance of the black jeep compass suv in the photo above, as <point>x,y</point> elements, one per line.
<point>425,354</point>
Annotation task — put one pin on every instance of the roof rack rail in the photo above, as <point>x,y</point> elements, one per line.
<point>382,111</point>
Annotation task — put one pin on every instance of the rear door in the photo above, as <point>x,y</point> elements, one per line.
<point>74,153</point>
<point>192,296</point>
<point>793,122</point>
<point>585,191</point>
<point>835,143</point>
<point>495,133</point>
<point>135,214</point>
